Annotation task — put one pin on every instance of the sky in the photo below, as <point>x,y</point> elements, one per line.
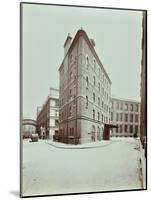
<point>117,35</point>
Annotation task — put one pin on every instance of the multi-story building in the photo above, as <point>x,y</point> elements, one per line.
<point>85,89</point>
<point>48,115</point>
<point>125,114</point>
<point>28,127</point>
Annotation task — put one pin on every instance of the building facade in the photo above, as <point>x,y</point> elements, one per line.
<point>125,114</point>
<point>84,92</point>
<point>48,115</point>
<point>28,127</point>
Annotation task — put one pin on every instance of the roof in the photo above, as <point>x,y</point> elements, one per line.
<point>127,100</point>
<point>82,33</point>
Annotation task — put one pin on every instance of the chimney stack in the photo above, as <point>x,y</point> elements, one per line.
<point>67,44</point>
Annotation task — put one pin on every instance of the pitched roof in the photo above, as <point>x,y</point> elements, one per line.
<point>82,33</point>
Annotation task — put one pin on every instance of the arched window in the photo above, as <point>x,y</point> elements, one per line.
<point>93,97</point>
<point>86,101</point>
<point>98,116</point>
<point>93,114</point>
<point>102,117</point>
<point>87,82</point>
<point>99,86</point>
<point>94,80</point>
<point>98,101</point>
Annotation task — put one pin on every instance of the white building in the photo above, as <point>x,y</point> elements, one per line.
<point>48,114</point>
<point>125,114</point>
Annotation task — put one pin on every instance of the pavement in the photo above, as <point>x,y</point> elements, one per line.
<point>97,144</point>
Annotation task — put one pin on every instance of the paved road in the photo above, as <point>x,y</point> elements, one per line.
<point>50,170</point>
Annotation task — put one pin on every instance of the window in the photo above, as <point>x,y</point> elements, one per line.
<point>117,105</point>
<point>136,118</point>
<point>70,93</point>
<point>56,113</point>
<point>98,116</point>
<point>70,111</point>
<point>112,104</point>
<point>102,117</point>
<point>99,86</point>
<point>121,106</point>
<point>125,128</point>
<point>94,80</point>
<point>126,117</point>
<point>136,108</point>
<point>93,114</point>
<point>131,107</point>
<point>121,129</point>
<point>87,82</point>
<point>117,116</point>
<point>126,107</point>
<point>102,104</point>
<point>131,117</point>
<point>93,97</point>
<point>87,61</point>
<point>86,101</point>
<point>121,116</point>
<point>70,75</point>
<point>98,101</point>
<point>71,131</point>
<point>56,123</point>
<point>117,130</point>
<point>136,129</point>
<point>111,116</point>
<point>131,129</point>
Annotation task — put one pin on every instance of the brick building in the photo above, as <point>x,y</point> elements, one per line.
<point>85,89</point>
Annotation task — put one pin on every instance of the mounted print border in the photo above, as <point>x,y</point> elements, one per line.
<point>83,99</point>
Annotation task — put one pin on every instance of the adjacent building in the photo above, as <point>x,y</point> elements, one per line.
<point>48,115</point>
<point>28,127</point>
<point>125,114</point>
<point>84,92</point>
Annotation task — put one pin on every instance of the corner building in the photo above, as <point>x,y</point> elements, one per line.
<point>84,92</point>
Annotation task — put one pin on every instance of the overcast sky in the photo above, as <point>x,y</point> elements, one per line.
<point>117,34</point>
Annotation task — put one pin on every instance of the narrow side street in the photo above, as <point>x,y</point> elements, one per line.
<point>51,170</point>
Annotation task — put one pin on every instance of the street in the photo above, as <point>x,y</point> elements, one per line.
<point>51,170</point>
